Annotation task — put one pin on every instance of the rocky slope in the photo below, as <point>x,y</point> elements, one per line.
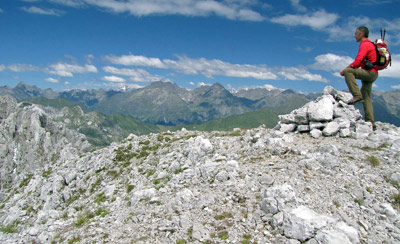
<point>244,186</point>
<point>29,140</point>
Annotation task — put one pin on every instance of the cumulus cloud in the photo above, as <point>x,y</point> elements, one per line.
<point>317,20</point>
<point>36,10</point>
<point>331,62</point>
<point>214,67</point>
<point>68,70</point>
<point>51,80</point>
<point>265,86</point>
<point>137,75</point>
<point>133,60</point>
<point>234,10</point>
<point>296,5</point>
<point>70,3</point>
<point>200,84</point>
<point>394,70</point>
<point>23,68</point>
<point>113,78</point>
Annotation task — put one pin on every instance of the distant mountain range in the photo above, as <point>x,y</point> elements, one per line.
<point>164,105</point>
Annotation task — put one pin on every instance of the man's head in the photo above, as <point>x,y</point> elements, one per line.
<point>361,33</point>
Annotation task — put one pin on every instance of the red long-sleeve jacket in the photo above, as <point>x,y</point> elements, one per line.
<point>366,50</point>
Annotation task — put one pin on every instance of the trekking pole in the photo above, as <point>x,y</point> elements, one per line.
<point>384,33</point>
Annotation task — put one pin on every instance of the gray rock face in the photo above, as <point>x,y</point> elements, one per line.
<point>258,185</point>
<point>29,141</point>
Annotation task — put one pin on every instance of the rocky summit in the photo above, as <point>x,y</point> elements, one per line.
<point>291,184</point>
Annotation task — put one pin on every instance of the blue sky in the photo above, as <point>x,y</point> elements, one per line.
<point>297,44</point>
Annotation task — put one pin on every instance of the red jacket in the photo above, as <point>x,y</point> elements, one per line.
<point>366,50</point>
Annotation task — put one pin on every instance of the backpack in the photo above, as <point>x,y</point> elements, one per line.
<point>383,57</point>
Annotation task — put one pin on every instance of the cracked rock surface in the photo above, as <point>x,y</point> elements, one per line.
<point>244,186</point>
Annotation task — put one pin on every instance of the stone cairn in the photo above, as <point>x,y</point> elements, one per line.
<point>328,115</point>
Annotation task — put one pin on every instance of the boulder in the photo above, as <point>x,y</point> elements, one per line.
<point>302,223</point>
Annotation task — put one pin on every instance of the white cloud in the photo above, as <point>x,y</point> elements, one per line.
<point>345,30</point>
<point>134,60</point>
<point>192,83</point>
<point>113,79</point>
<point>137,75</point>
<point>23,68</point>
<point>71,3</point>
<point>2,67</point>
<point>396,87</point>
<point>331,62</point>
<point>210,68</point>
<point>394,70</point>
<point>234,10</point>
<point>265,86</point>
<point>317,20</point>
<point>200,84</point>
<point>293,73</point>
<point>36,10</point>
<point>68,70</point>
<point>296,5</point>
<point>1,11</point>
<point>51,80</point>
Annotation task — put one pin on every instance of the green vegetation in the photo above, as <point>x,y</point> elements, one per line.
<point>11,228</point>
<point>359,201</point>
<point>26,181</point>
<point>246,239</point>
<point>374,161</point>
<point>47,173</point>
<point>87,216</point>
<point>181,241</point>
<point>223,235</point>
<point>74,239</point>
<point>129,188</point>
<point>100,198</point>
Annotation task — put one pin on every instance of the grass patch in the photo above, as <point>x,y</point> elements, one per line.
<point>74,239</point>
<point>374,161</point>
<point>129,188</point>
<point>181,241</point>
<point>223,235</point>
<point>150,172</point>
<point>359,201</point>
<point>95,185</point>
<point>380,147</point>
<point>26,181</point>
<point>11,228</point>
<point>100,198</point>
<point>223,216</point>
<point>47,173</point>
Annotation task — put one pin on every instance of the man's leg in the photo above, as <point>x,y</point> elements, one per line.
<point>366,91</point>
<point>350,77</point>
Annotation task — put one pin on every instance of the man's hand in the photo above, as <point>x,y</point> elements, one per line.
<point>341,73</point>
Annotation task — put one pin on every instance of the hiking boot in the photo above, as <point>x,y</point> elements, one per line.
<point>356,100</point>
<point>374,127</point>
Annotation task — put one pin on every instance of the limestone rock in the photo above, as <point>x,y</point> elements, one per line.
<point>302,223</point>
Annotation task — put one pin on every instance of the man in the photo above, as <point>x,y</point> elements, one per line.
<point>358,70</point>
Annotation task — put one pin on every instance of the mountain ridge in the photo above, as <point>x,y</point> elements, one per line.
<point>165,103</point>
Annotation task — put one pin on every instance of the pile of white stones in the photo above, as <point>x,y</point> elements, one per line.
<point>328,115</point>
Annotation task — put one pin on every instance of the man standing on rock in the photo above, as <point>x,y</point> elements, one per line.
<point>358,70</point>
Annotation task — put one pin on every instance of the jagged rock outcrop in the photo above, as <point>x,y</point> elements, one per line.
<point>328,115</point>
<point>259,185</point>
<point>30,141</point>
